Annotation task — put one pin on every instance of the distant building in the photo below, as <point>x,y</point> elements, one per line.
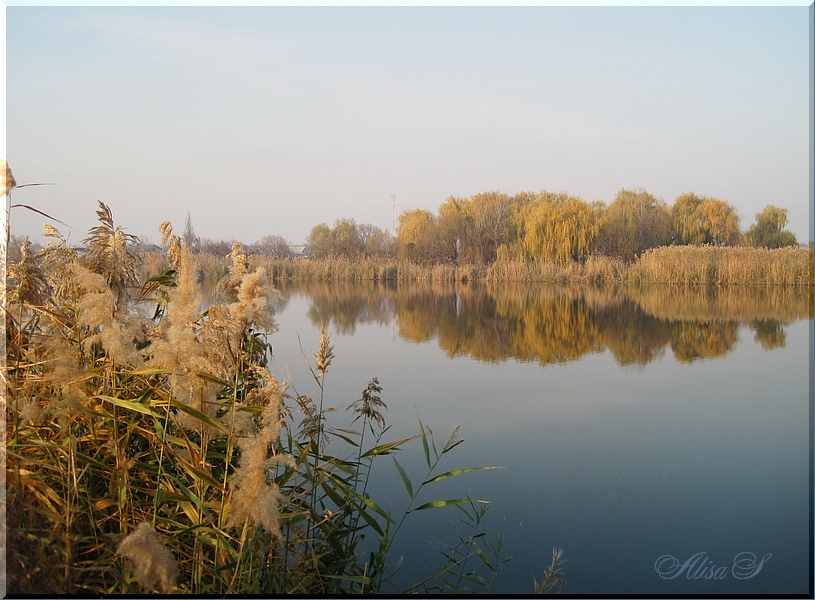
<point>149,248</point>
<point>300,251</point>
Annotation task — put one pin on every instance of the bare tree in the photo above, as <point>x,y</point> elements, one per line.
<point>274,246</point>
<point>189,238</point>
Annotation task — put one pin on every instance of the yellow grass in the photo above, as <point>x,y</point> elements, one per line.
<point>686,265</point>
<point>725,266</point>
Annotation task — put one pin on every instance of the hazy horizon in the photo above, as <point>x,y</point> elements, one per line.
<point>271,120</point>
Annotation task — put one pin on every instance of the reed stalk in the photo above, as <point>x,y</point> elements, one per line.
<point>158,454</point>
<point>686,265</point>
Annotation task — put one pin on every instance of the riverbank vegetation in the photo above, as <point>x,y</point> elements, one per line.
<point>550,227</point>
<point>546,237</point>
<point>689,265</point>
<point>149,449</point>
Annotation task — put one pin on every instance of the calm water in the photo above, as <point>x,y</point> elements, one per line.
<point>630,424</point>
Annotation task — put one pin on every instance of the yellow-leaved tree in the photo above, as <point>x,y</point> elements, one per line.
<point>559,227</point>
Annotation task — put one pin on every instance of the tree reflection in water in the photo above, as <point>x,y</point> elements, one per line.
<point>556,324</point>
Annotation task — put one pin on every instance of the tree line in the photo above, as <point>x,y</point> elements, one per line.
<point>543,226</point>
<point>559,227</point>
<point>547,226</point>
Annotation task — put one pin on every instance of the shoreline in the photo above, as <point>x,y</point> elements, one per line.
<point>667,265</point>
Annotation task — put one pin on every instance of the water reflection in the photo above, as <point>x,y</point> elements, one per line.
<point>557,324</point>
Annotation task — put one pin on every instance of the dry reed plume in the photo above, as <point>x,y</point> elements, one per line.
<point>130,428</point>
<point>153,565</point>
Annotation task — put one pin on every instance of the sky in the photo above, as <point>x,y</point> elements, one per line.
<point>271,120</point>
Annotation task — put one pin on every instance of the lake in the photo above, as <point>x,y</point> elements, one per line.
<point>660,436</point>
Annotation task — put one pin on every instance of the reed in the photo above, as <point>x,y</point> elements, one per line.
<point>717,265</point>
<point>157,453</point>
<point>685,265</point>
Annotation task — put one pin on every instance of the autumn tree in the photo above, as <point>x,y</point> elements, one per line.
<point>417,235</point>
<point>376,241</point>
<point>347,240</point>
<point>720,222</point>
<point>702,220</point>
<point>634,222</point>
<point>274,246</point>
<point>768,230</point>
<point>488,214</point>
<point>452,224</point>
<point>514,247</point>
<point>558,227</point>
<point>321,241</point>
<point>687,219</point>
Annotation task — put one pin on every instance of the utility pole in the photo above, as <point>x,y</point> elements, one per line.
<point>393,213</point>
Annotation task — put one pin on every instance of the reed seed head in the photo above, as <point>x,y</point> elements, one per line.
<point>253,495</point>
<point>255,300</point>
<point>368,406</point>
<point>152,563</point>
<point>326,352</point>
<point>7,182</point>
<point>166,230</point>
<point>174,251</point>
<point>239,266</point>
<point>33,413</point>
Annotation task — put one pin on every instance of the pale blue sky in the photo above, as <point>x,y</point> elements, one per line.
<point>271,120</point>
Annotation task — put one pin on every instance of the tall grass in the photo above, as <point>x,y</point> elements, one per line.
<point>596,270</point>
<point>791,266</point>
<point>149,449</point>
<point>687,265</point>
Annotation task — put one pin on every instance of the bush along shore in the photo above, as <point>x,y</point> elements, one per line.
<point>685,265</point>
<point>148,449</point>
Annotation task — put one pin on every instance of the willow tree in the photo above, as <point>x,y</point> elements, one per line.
<point>488,214</point>
<point>687,219</point>
<point>720,222</point>
<point>702,220</point>
<point>452,224</point>
<point>559,227</point>
<point>417,230</point>
<point>633,223</point>
<point>768,230</point>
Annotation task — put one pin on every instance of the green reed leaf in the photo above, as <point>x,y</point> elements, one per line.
<point>84,458</point>
<point>195,414</point>
<point>370,519</point>
<point>150,372</point>
<point>207,515</point>
<point>128,404</point>
<point>480,553</point>
<point>347,440</point>
<point>440,503</point>
<point>387,447</point>
<point>456,472</point>
<point>213,379</point>
<point>451,446</point>
<point>196,473</point>
<point>424,443</point>
<point>404,476</point>
<point>375,507</point>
